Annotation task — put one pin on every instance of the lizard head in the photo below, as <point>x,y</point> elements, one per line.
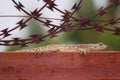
<point>97,46</point>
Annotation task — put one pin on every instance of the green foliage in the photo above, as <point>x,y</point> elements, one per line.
<point>92,36</point>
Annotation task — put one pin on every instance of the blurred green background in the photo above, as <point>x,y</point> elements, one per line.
<point>79,36</point>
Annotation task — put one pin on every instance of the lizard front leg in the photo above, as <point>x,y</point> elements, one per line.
<point>83,51</point>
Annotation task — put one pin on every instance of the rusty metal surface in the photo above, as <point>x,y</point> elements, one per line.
<point>101,65</point>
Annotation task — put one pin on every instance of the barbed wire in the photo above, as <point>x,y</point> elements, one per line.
<point>67,19</point>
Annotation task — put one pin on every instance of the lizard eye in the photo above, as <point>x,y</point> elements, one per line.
<point>101,44</point>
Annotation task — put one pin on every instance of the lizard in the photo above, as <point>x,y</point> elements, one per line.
<point>82,48</point>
